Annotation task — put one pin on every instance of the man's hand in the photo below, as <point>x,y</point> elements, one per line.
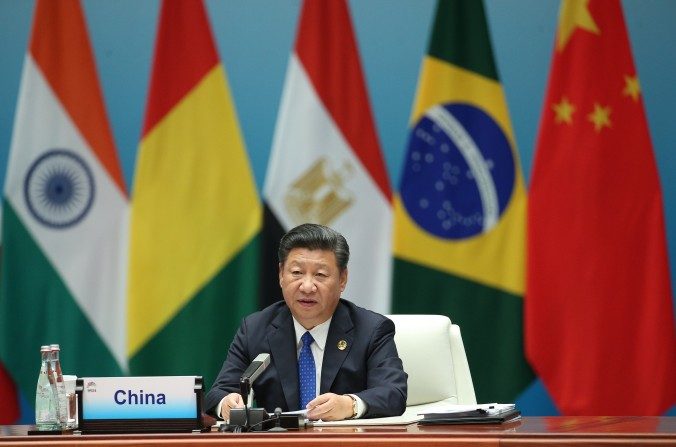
<point>232,400</point>
<point>330,407</point>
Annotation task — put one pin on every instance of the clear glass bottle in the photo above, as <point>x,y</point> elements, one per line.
<point>62,407</point>
<point>45,399</point>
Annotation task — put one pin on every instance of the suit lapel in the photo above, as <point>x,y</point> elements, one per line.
<point>340,334</point>
<point>281,338</point>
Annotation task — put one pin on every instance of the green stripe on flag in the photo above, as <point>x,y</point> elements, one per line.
<point>196,340</point>
<point>460,37</point>
<point>490,321</point>
<point>38,309</point>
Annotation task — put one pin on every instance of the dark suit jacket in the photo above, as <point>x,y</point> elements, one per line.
<point>368,367</point>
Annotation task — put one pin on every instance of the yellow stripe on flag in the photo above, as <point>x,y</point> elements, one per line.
<point>195,195</point>
<point>480,258</point>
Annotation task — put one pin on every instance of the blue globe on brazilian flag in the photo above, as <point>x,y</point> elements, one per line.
<point>459,215</point>
<point>459,172</point>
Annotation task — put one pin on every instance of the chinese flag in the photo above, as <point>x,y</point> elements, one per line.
<point>599,319</point>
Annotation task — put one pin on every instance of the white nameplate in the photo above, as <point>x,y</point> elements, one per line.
<point>171,397</point>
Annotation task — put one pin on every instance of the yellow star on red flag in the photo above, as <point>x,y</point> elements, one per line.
<point>632,87</point>
<point>574,14</point>
<point>600,117</point>
<point>564,111</point>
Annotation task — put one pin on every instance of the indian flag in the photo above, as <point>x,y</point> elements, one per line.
<point>64,211</point>
<point>459,239</point>
<point>196,213</point>
<point>326,165</point>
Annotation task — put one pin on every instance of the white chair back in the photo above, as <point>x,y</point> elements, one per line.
<point>433,355</point>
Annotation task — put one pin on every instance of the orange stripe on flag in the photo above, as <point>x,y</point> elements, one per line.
<point>78,90</point>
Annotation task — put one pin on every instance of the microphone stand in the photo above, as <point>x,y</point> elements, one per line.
<point>278,417</point>
<point>245,389</point>
<point>246,379</point>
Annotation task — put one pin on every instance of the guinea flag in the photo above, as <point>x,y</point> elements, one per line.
<point>599,317</point>
<point>326,165</point>
<point>64,218</point>
<point>196,213</point>
<point>459,216</point>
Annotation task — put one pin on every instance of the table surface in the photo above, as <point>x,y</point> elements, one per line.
<point>578,431</point>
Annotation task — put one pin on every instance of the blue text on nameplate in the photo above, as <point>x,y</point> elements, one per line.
<point>170,397</point>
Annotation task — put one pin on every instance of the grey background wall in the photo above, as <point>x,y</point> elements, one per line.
<point>254,38</point>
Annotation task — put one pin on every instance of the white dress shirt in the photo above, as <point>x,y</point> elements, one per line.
<point>319,334</point>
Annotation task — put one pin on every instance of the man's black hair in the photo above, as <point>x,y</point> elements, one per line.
<point>315,237</point>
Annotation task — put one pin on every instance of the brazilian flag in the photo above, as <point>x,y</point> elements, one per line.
<point>459,215</point>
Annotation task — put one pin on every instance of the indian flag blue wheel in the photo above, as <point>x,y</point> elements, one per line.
<point>59,188</point>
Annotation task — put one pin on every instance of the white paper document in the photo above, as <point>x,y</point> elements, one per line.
<point>404,419</point>
<point>412,415</point>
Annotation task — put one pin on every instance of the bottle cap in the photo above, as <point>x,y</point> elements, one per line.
<point>44,348</point>
<point>55,347</point>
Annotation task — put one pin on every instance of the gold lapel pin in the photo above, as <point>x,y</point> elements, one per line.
<point>342,344</point>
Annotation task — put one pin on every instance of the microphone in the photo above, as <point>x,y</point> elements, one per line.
<point>256,368</point>
<point>251,373</point>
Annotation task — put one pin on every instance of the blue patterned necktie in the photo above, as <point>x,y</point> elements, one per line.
<point>306,371</point>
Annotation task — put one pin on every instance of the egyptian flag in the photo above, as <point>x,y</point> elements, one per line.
<point>196,212</point>
<point>326,165</point>
<point>599,317</point>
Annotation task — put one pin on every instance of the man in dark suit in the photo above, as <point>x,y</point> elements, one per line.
<point>340,357</point>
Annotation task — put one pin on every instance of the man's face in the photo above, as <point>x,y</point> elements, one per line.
<point>311,284</point>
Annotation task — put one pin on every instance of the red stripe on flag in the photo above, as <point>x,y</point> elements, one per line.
<point>599,319</point>
<point>179,63</point>
<point>9,401</point>
<point>327,49</point>
<point>61,48</point>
